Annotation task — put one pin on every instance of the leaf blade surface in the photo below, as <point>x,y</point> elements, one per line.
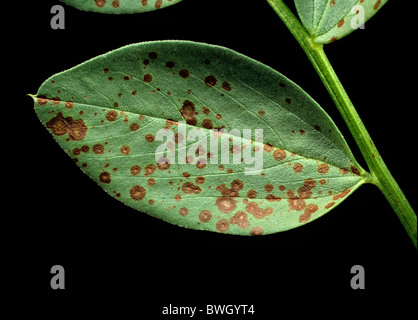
<point>330,20</point>
<point>108,113</point>
<point>119,6</point>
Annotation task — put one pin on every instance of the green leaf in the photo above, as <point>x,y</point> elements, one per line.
<point>330,20</point>
<point>119,6</point>
<point>110,112</point>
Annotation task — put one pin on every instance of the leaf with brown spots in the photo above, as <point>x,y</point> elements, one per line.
<point>330,20</point>
<point>119,6</point>
<point>195,160</point>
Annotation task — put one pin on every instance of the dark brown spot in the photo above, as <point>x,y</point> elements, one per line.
<point>226,204</point>
<point>226,86</point>
<point>207,123</point>
<point>271,198</point>
<point>190,188</point>
<point>240,219</point>
<point>268,147</point>
<point>188,112</point>
<point>329,205</point>
<point>134,126</point>
<point>135,170</point>
<point>222,225</point>
<point>153,55</point>
<point>111,115</point>
<point>341,195</point>
<point>184,73</point>
<point>259,213</point>
<point>151,182</point>
<point>125,150</point>
<point>100,3</point>
<point>98,149</point>
<point>323,168</point>
<point>169,64</point>
<point>150,169</point>
<point>355,170</point>
<point>105,177</point>
<point>59,125</point>
<point>297,168</point>
<point>269,187</point>
<point>252,194</point>
<point>163,163</point>
<point>310,183</point>
<point>69,104</point>
<point>149,138</point>
<point>296,204</point>
<point>115,4</point>
<point>138,193</point>
<point>309,210</point>
<point>200,180</point>
<point>148,78</point>
<point>205,216</point>
<point>304,192</point>
<point>256,231</point>
<point>158,4</point>
<point>184,211</point>
<point>210,81</point>
<point>279,154</point>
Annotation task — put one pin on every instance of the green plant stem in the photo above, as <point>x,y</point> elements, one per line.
<point>381,176</point>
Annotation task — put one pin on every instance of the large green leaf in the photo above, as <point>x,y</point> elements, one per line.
<point>109,113</point>
<point>119,6</point>
<point>330,20</point>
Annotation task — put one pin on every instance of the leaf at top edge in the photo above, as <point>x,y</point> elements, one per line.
<point>120,6</point>
<point>109,113</point>
<point>330,20</point>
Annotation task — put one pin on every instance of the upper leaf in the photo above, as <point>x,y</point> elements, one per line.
<point>330,20</point>
<point>119,6</point>
<point>142,121</point>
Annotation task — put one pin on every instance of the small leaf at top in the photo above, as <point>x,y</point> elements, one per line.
<point>119,6</point>
<point>200,136</point>
<point>330,20</point>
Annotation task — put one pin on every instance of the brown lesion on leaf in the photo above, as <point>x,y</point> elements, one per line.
<point>183,211</point>
<point>150,169</point>
<point>240,219</point>
<point>236,186</point>
<point>226,204</point>
<point>222,225</point>
<point>341,195</point>
<point>105,177</point>
<point>59,126</point>
<point>256,231</point>
<point>295,202</point>
<point>309,210</point>
<point>355,170</point>
<point>279,154</point>
<point>205,216</point>
<point>190,188</point>
<point>256,211</point>
<point>138,193</point>
<point>188,112</point>
<point>323,168</point>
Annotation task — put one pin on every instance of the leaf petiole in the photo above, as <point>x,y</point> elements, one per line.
<point>380,174</point>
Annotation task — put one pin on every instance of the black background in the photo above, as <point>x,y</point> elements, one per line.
<point>121,261</point>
